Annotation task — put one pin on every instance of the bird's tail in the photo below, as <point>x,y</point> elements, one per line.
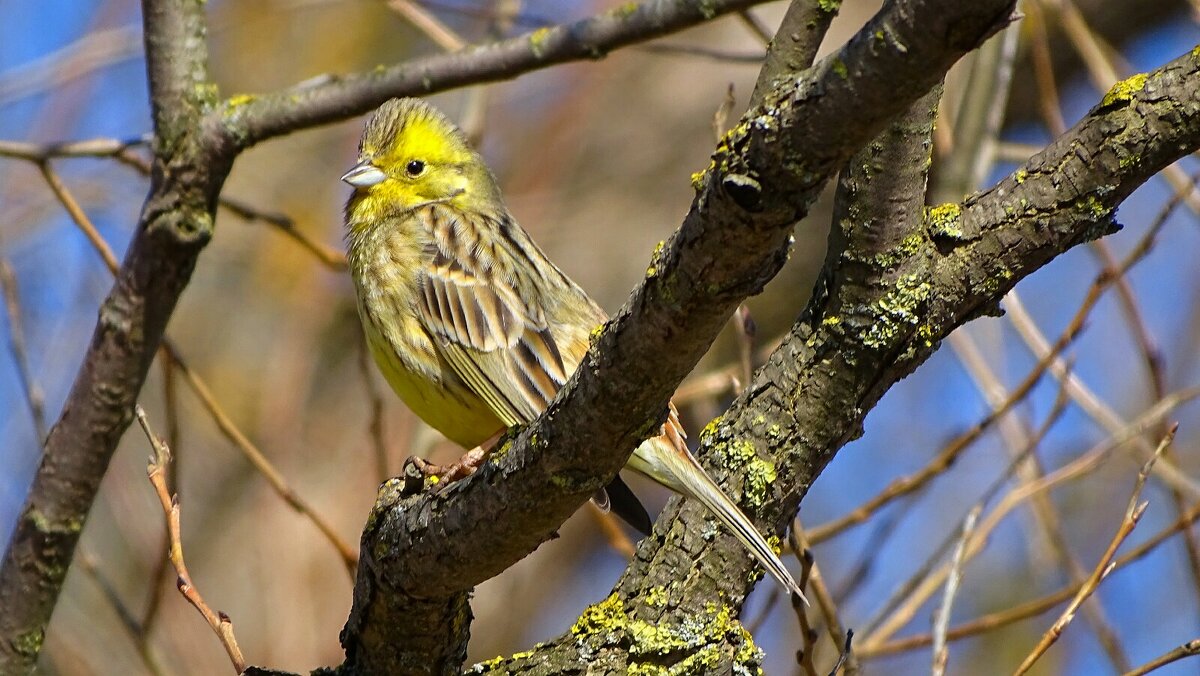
<point>667,461</point>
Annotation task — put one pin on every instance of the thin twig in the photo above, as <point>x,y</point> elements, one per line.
<point>433,28</point>
<point>135,630</point>
<point>156,470</point>
<point>171,406</point>
<point>34,398</point>
<point>759,29</point>
<point>1080,466</point>
<point>1032,608</point>
<point>1133,514</point>
<point>223,421</point>
<point>941,618</point>
<point>808,637</point>
<point>97,147</point>
<point>375,402</point>
<point>328,256</point>
<point>824,600</point>
<point>260,462</point>
<point>1189,649</point>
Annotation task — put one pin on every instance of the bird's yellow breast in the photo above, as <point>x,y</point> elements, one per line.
<point>386,274</point>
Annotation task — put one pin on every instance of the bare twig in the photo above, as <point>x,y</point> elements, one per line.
<point>16,343</point>
<point>329,257</point>
<point>223,421</point>
<point>433,28</point>
<point>1133,514</point>
<point>1189,649</point>
<point>135,630</point>
<point>941,618</point>
<point>1081,466</point>
<point>156,470</point>
<point>808,637</point>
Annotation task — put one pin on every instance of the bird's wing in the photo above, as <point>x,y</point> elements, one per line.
<point>497,342</point>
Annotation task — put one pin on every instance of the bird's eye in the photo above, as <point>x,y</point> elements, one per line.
<point>414,168</point>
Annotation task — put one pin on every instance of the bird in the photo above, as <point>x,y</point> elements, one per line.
<point>472,326</point>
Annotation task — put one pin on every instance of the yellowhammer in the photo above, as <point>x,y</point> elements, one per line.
<point>473,327</point>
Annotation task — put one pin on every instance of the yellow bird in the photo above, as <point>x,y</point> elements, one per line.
<point>470,323</point>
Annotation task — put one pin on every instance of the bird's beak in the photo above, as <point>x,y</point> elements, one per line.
<point>364,175</point>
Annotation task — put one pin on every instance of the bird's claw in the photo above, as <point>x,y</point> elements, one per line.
<point>459,469</point>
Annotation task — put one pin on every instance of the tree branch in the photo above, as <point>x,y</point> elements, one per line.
<point>848,348</point>
<point>246,121</point>
<point>763,177</point>
<point>175,223</point>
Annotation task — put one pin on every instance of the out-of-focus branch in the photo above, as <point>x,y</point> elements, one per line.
<point>1133,514</point>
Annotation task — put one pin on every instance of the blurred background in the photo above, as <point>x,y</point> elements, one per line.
<point>594,159</point>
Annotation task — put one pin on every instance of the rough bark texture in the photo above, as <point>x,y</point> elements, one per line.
<point>764,174</point>
<point>894,285</point>
<point>196,139</point>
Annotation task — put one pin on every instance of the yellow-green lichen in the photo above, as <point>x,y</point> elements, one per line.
<point>896,312</point>
<point>758,474</point>
<point>594,335</point>
<point>1020,175</point>
<point>1093,207</point>
<point>703,636</point>
<point>625,11</point>
<point>1124,90</point>
<point>656,597</point>
<point>238,100</point>
<point>839,68</point>
<point>829,6</point>
<point>656,258</point>
<point>537,41</point>
<point>944,220</point>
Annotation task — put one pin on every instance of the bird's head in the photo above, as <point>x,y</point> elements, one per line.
<point>410,155</point>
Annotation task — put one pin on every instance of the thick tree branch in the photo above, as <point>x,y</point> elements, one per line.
<point>763,177</point>
<point>246,121</point>
<point>858,337</point>
<point>175,223</point>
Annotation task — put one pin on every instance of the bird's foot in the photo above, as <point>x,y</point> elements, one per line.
<point>459,469</point>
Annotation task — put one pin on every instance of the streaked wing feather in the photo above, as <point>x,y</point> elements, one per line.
<point>495,341</point>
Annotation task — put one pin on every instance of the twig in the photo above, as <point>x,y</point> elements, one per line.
<point>16,343</point>
<point>329,257</point>
<point>1189,649</point>
<point>134,629</point>
<point>1081,394</point>
<point>808,637</point>
<point>845,653</point>
<point>260,462</point>
<point>1084,464</point>
<point>941,618</point>
<point>223,421</point>
<point>171,405</point>
<point>98,147</point>
<point>78,216</point>
<point>375,401</point>
<point>820,594</point>
<point>760,30</point>
<point>1032,608</point>
<point>1133,514</point>
<point>427,23</point>
<point>156,470</point>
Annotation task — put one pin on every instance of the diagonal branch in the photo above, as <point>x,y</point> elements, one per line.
<point>847,350</point>
<point>764,175</point>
